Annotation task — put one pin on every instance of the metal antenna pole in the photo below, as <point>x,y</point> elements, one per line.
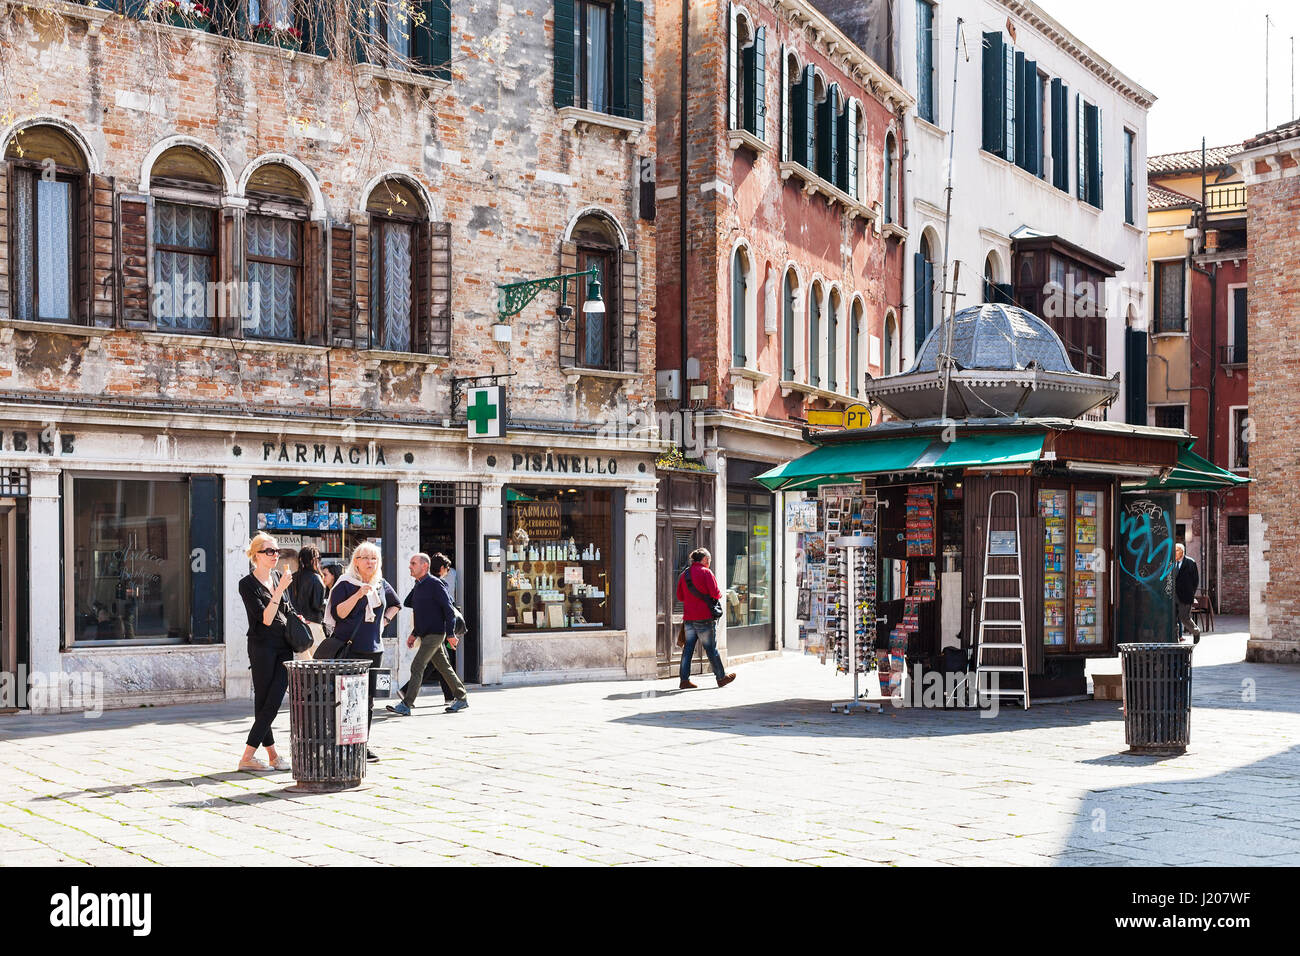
<point>945,358</point>
<point>1266,23</point>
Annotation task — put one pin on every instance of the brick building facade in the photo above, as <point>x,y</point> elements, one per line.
<point>1270,164</point>
<point>791,272</point>
<point>374,194</point>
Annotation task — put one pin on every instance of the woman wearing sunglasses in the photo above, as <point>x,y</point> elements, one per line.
<point>268,606</point>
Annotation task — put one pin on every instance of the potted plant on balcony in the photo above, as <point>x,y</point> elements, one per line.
<point>189,14</point>
<point>278,34</point>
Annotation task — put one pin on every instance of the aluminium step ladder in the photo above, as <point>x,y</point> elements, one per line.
<point>1002,639</point>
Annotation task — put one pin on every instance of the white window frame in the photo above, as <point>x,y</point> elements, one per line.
<point>1151,411</point>
<point>1155,295</point>
<point>1232,311</point>
<point>1232,436</point>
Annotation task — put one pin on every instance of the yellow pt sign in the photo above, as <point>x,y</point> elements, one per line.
<point>855,416</point>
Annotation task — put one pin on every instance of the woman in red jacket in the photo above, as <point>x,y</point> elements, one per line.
<point>698,616</point>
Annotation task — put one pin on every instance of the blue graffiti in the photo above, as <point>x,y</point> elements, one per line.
<point>1147,545</point>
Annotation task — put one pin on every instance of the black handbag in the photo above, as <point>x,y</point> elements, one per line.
<point>714,604</point>
<point>296,633</point>
<point>332,649</point>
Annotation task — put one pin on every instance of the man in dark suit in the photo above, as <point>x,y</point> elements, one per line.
<point>1186,580</point>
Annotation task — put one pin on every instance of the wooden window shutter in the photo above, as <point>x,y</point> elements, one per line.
<point>438,24</point>
<point>342,312</point>
<point>230,263</point>
<point>994,87</point>
<point>627,306</point>
<point>733,73</point>
<point>134,216</point>
<point>563,56</point>
<point>760,84</point>
<point>784,133</point>
<point>1100,166</point>
<point>1022,128</point>
<point>440,289</point>
<point>852,138</point>
<point>1009,102</point>
<point>842,150</point>
<point>634,58</point>
<point>810,110</point>
<point>569,329</point>
<point>1033,119</point>
<point>6,204</point>
<point>1081,170</point>
<point>315,270</point>
<point>361,283</point>
<point>103,291</point>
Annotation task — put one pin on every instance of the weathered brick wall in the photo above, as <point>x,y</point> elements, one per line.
<point>490,150</point>
<point>780,222</point>
<point>1274,328</point>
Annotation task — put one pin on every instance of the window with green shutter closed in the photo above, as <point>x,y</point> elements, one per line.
<point>994,91</point>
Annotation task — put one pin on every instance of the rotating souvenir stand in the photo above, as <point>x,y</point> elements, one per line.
<point>859,613</point>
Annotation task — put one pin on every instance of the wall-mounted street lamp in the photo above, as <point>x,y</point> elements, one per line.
<point>513,297</point>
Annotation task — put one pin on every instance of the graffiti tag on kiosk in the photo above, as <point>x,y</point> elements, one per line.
<point>1146,550</point>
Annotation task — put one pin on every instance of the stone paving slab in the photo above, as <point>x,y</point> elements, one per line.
<point>632,774</point>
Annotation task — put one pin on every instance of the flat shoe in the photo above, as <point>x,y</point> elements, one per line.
<point>254,765</point>
<point>281,763</point>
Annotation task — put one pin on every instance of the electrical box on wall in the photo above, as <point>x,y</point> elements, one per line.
<point>699,393</point>
<point>668,385</point>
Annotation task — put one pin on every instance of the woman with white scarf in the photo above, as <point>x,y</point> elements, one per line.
<point>361,603</point>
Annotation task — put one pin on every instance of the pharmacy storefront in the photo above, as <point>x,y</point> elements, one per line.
<point>138,529</point>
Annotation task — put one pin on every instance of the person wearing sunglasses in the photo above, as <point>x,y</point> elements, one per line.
<point>268,606</point>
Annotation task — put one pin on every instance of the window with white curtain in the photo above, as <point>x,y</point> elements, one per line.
<point>185,252</point>
<point>591,59</point>
<point>43,254</point>
<point>273,253</point>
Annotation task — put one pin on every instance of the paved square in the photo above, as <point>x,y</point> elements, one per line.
<point>634,773</point>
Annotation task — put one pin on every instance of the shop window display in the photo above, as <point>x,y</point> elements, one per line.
<point>333,516</point>
<point>131,558</point>
<point>749,560</point>
<point>559,559</point>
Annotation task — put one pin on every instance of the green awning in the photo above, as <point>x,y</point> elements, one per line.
<point>1194,473</point>
<point>983,449</point>
<point>844,461</point>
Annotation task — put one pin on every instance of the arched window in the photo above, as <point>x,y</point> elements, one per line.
<point>596,244</point>
<point>741,280</point>
<point>855,350</point>
<point>923,297</point>
<point>828,121</point>
<point>747,73</point>
<point>789,306</point>
<point>890,358</point>
<point>833,353</point>
<point>278,208</point>
<point>814,334</point>
<point>398,252</point>
<point>48,176</point>
<point>185,185</point>
<point>891,173</point>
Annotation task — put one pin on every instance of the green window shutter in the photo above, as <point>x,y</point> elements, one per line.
<point>1022,128</point>
<point>1100,164</point>
<point>852,137</point>
<point>784,133</point>
<point>1033,114</point>
<point>747,78</point>
<point>635,59</point>
<point>733,74</point>
<point>842,142</point>
<point>826,134</point>
<point>799,121</point>
<point>563,84</point>
<point>995,121</point>
<point>810,107</point>
<point>920,293</point>
<point>759,98</point>
<point>1061,136</point>
<point>814,339</point>
<point>437,26</point>
<point>1081,168</point>
<point>1009,98</point>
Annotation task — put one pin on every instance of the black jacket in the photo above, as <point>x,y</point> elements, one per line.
<point>1187,581</point>
<point>256,597</point>
<point>309,595</point>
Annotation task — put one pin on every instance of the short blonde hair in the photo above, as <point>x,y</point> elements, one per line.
<point>260,541</point>
<point>365,548</point>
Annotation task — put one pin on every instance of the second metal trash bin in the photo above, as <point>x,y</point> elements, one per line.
<point>1157,697</point>
<point>321,764</point>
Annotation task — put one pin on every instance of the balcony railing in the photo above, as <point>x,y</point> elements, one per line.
<point>1225,198</point>
<point>1232,354</point>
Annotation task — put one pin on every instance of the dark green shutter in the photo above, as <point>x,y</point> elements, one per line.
<point>733,78</point>
<point>842,151</point>
<point>922,299</point>
<point>747,79</point>
<point>1100,156</point>
<point>760,84</point>
<point>437,26</point>
<point>995,112</point>
<point>563,84</point>
<point>1135,376</point>
<point>1032,115</point>
<point>1060,135</point>
<point>799,122</point>
<point>1080,140</point>
<point>1022,128</point>
<point>635,59</point>
<point>810,104</point>
<point>827,118</point>
<point>205,559</point>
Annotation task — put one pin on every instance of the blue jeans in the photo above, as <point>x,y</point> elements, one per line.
<point>707,631</point>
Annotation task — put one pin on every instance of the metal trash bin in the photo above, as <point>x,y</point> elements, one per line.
<point>1157,697</point>
<point>317,714</point>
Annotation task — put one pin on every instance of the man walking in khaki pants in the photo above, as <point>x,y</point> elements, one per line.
<point>435,619</point>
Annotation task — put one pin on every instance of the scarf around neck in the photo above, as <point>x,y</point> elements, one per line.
<point>374,600</point>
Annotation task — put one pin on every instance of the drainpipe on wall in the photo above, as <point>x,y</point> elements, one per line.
<point>683,114</point>
<point>1211,553</point>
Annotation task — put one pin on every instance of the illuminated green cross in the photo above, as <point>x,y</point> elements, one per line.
<point>482,413</point>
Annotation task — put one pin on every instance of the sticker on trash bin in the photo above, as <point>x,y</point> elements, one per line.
<point>350,693</point>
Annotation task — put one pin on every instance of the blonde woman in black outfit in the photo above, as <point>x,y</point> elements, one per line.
<point>268,606</point>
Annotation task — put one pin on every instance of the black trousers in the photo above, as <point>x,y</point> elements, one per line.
<point>266,660</point>
<point>374,660</point>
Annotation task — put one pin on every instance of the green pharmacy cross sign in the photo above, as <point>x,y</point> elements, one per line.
<point>485,411</point>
